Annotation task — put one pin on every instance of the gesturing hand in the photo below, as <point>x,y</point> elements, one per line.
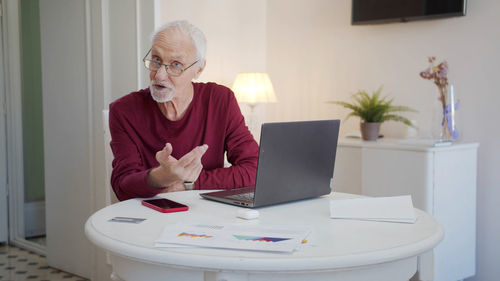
<point>171,170</point>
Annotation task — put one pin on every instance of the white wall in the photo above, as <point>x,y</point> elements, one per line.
<point>315,55</point>
<point>128,26</point>
<point>235,32</point>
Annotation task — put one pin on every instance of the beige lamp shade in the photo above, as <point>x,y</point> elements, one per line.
<point>253,88</point>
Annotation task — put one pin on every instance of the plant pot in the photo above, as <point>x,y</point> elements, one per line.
<point>369,130</point>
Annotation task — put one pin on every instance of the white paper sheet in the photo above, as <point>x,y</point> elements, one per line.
<point>259,238</point>
<point>389,209</point>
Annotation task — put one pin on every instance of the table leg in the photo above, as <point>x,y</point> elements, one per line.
<point>425,267</point>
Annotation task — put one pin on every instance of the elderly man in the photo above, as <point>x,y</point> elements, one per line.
<point>177,131</point>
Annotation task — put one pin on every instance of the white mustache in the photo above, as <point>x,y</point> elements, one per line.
<point>162,84</point>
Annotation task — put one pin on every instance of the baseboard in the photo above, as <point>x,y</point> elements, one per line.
<point>34,218</point>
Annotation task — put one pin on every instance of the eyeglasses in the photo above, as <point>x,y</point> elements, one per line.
<point>172,69</point>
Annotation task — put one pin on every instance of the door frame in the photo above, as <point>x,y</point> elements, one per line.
<point>4,225</point>
<point>14,132</point>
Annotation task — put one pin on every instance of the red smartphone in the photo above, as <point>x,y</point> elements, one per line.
<point>164,205</point>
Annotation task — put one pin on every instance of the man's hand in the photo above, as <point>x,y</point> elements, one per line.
<point>172,171</point>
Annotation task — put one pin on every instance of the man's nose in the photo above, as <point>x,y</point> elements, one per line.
<point>161,73</point>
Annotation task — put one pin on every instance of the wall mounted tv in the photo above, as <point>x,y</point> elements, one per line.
<point>381,11</point>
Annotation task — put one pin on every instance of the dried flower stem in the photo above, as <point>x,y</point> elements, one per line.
<point>439,75</point>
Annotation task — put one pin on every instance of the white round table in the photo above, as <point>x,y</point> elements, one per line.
<point>340,249</point>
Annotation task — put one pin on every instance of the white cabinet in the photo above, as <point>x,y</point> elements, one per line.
<point>441,181</point>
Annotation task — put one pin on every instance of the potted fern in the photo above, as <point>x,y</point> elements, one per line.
<point>373,110</point>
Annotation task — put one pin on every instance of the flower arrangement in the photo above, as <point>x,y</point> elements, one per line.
<point>439,75</point>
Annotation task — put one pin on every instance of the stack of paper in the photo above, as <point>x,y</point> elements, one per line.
<point>391,209</point>
<point>242,237</point>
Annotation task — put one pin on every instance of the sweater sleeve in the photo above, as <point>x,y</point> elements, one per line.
<point>129,175</point>
<point>242,153</point>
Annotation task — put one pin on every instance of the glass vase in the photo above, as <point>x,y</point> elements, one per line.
<point>448,106</point>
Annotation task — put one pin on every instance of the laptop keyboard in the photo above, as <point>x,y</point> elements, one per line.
<point>243,196</point>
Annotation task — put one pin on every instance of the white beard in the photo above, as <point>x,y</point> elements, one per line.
<point>164,95</point>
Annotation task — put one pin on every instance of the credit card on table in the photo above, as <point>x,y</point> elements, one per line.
<point>127,219</point>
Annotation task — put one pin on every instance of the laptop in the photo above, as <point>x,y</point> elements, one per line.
<point>296,161</point>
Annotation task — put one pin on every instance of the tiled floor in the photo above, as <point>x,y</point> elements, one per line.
<point>20,265</point>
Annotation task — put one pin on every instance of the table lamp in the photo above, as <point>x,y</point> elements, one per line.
<point>253,88</point>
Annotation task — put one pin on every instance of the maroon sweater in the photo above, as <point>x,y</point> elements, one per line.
<point>139,129</point>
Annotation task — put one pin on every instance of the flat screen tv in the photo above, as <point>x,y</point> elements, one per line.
<point>381,11</point>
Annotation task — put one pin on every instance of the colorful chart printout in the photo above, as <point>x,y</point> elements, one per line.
<point>257,238</point>
<point>190,235</point>
<point>241,237</point>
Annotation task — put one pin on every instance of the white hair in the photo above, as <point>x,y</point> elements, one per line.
<point>200,43</point>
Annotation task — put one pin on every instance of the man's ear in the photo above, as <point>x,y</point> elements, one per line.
<point>200,70</point>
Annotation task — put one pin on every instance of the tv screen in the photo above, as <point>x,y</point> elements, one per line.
<point>380,11</point>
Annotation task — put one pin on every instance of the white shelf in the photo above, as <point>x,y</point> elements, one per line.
<point>406,144</point>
